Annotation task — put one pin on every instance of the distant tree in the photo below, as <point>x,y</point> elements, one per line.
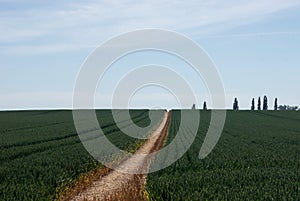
<point>204,106</point>
<point>252,106</point>
<point>235,104</point>
<point>193,107</point>
<point>259,104</point>
<point>275,104</point>
<point>288,107</point>
<point>265,104</point>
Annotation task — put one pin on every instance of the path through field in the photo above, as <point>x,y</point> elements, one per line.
<point>121,186</point>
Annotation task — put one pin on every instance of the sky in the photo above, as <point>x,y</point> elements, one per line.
<point>254,45</point>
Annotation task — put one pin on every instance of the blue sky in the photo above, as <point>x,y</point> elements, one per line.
<point>254,44</point>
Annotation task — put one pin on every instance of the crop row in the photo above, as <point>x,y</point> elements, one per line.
<point>256,158</point>
<point>41,152</point>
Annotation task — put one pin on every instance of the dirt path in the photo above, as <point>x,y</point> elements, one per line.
<point>121,186</point>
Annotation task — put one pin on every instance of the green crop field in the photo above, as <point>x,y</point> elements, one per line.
<point>257,158</point>
<point>41,152</point>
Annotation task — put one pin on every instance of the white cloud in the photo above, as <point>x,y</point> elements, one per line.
<point>254,34</point>
<point>89,23</point>
<point>41,49</point>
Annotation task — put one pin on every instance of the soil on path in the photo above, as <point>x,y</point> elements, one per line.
<point>120,186</point>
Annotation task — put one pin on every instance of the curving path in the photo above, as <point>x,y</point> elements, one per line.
<point>120,186</point>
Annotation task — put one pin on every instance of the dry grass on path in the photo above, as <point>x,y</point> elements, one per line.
<point>122,186</point>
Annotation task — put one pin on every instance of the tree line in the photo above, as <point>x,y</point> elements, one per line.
<point>263,106</point>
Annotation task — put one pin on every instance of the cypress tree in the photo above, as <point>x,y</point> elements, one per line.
<point>252,106</point>
<point>235,104</point>
<point>259,104</point>
<point>265,104</point>
<point>276,104</point>
<point>204,106</point>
